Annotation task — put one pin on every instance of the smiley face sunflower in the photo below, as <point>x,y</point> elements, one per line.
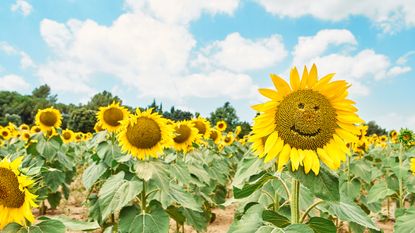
<point>309,121</point>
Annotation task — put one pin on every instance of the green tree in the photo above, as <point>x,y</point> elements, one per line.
<point>102,99</point>
<point>177,114</point>
<point>246,128</point>
<point>374,128</point>
<point>227,113</point>
<point>82,119</point>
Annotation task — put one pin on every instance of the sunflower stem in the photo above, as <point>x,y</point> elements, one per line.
<point>143,198</point>
<point>294,202</point>
<point>401,194</point>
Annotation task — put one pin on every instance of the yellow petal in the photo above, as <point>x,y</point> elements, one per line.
<point>350,118</point>
<point>275,150</point>
<point>295,160</point>
<point>325,158</point>
<point>301,155</point>
<point>271,141</point>
<point>284,157</point>
<point>349,127</point>
<point>346,136</point>
<point>270,93</point>
<point>323,81</point>
<point>304,78</point>
<point>281,85</point>
<point>316,163</point>
<point>308,161</point>
<point>294,79</point>
<point>312,77</point>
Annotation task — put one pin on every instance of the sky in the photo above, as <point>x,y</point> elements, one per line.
<point>196,54</point>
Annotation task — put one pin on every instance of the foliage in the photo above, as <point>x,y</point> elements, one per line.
<point>375,129</point>
<point>82,120</point>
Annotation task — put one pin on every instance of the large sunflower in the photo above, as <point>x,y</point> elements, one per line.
<point>203,126</point>
<point>111,116</point>
<point>185,135</point>
<point>309,121</point>
<point>145,134</point>
<point>221,125</point>
<point>67,136</point>
<point>48,118</point>
<point>16,201</point>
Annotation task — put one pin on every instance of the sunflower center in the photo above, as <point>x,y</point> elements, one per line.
<point>406,137</point>
<point>200,126</point>
<point>66,135</point>
<point>213,135</point>
<point>48,118</point>
<point>183,133</point>
<point>10,194</point>
<point>305,119</point>
<point>113,116</point>
<point>144,134</point>
<point>4,133</point>
<point>227,139</point>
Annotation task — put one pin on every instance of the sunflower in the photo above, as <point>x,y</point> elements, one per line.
<point>25,135</point>
<point>406,137</point>
<point>16,201</point>
<point>203,127</point>
<point>309,121</point>
<point>24,127</point>
<point>215,135</point>
<point>48,118</point>
<point>145,134</point>
<point>5,134</point>
<point>111,116</point>
<point>67,136</point>
<point>35,129</point>
<point>413,165</point>
<point>221,125</point>
<point>228,139</point>
<point>79,136</point>
<point>186,134</point>
<point>98,127</point>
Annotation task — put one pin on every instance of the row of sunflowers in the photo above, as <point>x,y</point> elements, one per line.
<point>307,166</point>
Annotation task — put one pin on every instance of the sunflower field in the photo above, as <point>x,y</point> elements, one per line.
<point>308,166</point>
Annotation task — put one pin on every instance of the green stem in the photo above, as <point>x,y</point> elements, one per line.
<point>284,185</point>
<point>401,199</point>
<point>309,209</point>
<point>294,201</point>
<point>143,198</point>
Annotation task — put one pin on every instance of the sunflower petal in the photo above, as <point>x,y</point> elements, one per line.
<point>280,85</point>
<point>284,157</point>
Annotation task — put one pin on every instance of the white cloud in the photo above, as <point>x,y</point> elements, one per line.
<point>25,60</point>
<point>22,6</point>
<point>404,59</point>
<point>240,54</point>
<point>13,82</point>
<point>359,68</point>
<point>389,15</point>
<point>395,121</point>
<point>181,11</point>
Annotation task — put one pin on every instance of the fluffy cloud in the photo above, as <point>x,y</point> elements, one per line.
<point>239,54</point>
<point>25,60</point>
<point>388,15</point>
<point>181,11</point>
<point>13,82</point>
<point>395,121</point>
<point>359,68</point>
<point>22,6</point>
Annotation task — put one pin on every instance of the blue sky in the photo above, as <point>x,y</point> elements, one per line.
<point>198,54</point>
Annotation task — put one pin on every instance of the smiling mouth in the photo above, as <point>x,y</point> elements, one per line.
<point>305,134</point>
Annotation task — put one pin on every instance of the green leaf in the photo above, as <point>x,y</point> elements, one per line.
<point>176,214</point>
<point>53,178</point>
<point>325,185</point>
<point>361,169</point>
<point>185,199</point>
<point>250,221</point>
<point>48,226</point>
<point>275,218</point>
<point>76,225</point>
<point>157,221</point>
<point>54,199</point>
<point>117,193</point>
<point>247,167</point>
<point>248,189</point>
<point>406,222</point>
<point>154,170</point>
<point>379,191</point>
<point>350,190</point>
<point>92,174</point>
<point>180,171</point>
<point>297,228</point>
<point>198,220</point>
<point>127,216</point>
<point>321,225</point>
<point>352,213</point>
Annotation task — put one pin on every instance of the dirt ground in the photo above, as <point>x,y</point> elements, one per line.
<point>75,209</point>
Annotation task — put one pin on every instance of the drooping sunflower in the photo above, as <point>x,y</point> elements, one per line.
<point>309,121</point>
<point>406,137</point>
<point>67,136</point>
<point>24,127</point>
<point>215,135</point>
<point>16,201</point>
<point>48,118</point>
<point>111,116</point>
<point>185,136</point>
<point>145,134</point>
<point>203,126</point>
<point>221,125</point>
<point>5,134</point>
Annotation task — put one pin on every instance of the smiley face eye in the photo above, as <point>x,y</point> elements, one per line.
<point>316,108</point>
<point>300,106</point>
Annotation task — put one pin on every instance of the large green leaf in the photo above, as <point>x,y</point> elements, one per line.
<point>247,167</point>
<point>379,191</point>
<point>185,199</point>
<point>157,221</point>
<point>46,226</point>
<point>53,178</point>
<point>352,213</point>
<point>325,185</point>
<point>250,221</point>
<point>406,222</point>
<point>275,218</point>
<point>248,189</point>
<point>92,174</point>
<point>117,193</point>
<point>76,225</point>
<point>361,169</point>
<point>127,216</point>
<point>198,220</point>
<point>321,225</point>
<point>350,190</point>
